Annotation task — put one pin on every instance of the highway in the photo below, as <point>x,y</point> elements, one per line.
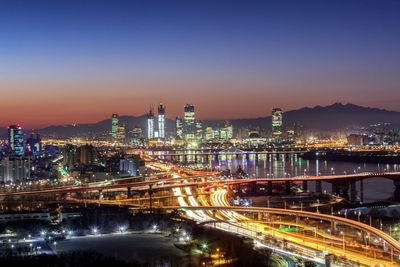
<point>204,177</point>
<point>204,198</point>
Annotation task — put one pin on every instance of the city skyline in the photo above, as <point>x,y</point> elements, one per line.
<point>232,60</point>
<point>173,117</point>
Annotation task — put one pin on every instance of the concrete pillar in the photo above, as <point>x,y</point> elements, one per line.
<point>362,190</point>
<point>259,216</point>
<point>333,227</point>
<point>253,187</point>
<point>305,185</point>
<point>318,187</point>
<point>335,189</point>
<point>353,191</point>
<point>341,190</point>
<point>151,197</point>
<point>396,193</point>
<point>287,186</point>
<point>269,187</point>
<point>100,194</point>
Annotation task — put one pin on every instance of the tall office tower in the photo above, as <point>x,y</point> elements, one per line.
<point>16,140</point>
<point>189,124</point>
<point>277,115</point>
<point>229,130</point>
<point>114,127</point>
<point>199,132</point>
<point>121,134</point>
<point>34,145</point>
<point>179,128</point>
<point>150,124</point>
<point>161,121</point>
<point>209,134</point>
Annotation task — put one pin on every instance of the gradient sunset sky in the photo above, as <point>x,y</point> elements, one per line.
<point>80,61</point>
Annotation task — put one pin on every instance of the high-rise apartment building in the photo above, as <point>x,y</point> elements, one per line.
<point>15,169</point>
<point>87,155</point>
<point>69,156</point>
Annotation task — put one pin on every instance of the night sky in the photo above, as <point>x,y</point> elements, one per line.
<point>80,61</point>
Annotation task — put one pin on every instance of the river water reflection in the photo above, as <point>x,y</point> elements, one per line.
<point>290,165</point>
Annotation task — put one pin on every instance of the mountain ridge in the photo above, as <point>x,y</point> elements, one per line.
<point>332,117</point>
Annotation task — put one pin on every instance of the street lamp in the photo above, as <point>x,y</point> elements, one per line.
<point>95,230</point>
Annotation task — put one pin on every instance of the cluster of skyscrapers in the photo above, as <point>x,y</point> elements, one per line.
<point>15,165</point>
<point>188,130</point>
<point>118,132</point>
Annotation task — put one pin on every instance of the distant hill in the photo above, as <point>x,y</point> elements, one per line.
<point>103,126</point>
<point>332,117</point>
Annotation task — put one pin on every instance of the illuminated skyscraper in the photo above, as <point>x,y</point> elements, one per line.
<point>34,145</point>
<point>16,140</point>
<point>199,132</point>
<point>277,115</point>
<point>179,128</point>
<point>121,134</point>
<point>161,121</point>
<point>114,127</point>
<point>209,134</point>
<point>189,124</point>
<point>150,124</point>
<point>226,133</point>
